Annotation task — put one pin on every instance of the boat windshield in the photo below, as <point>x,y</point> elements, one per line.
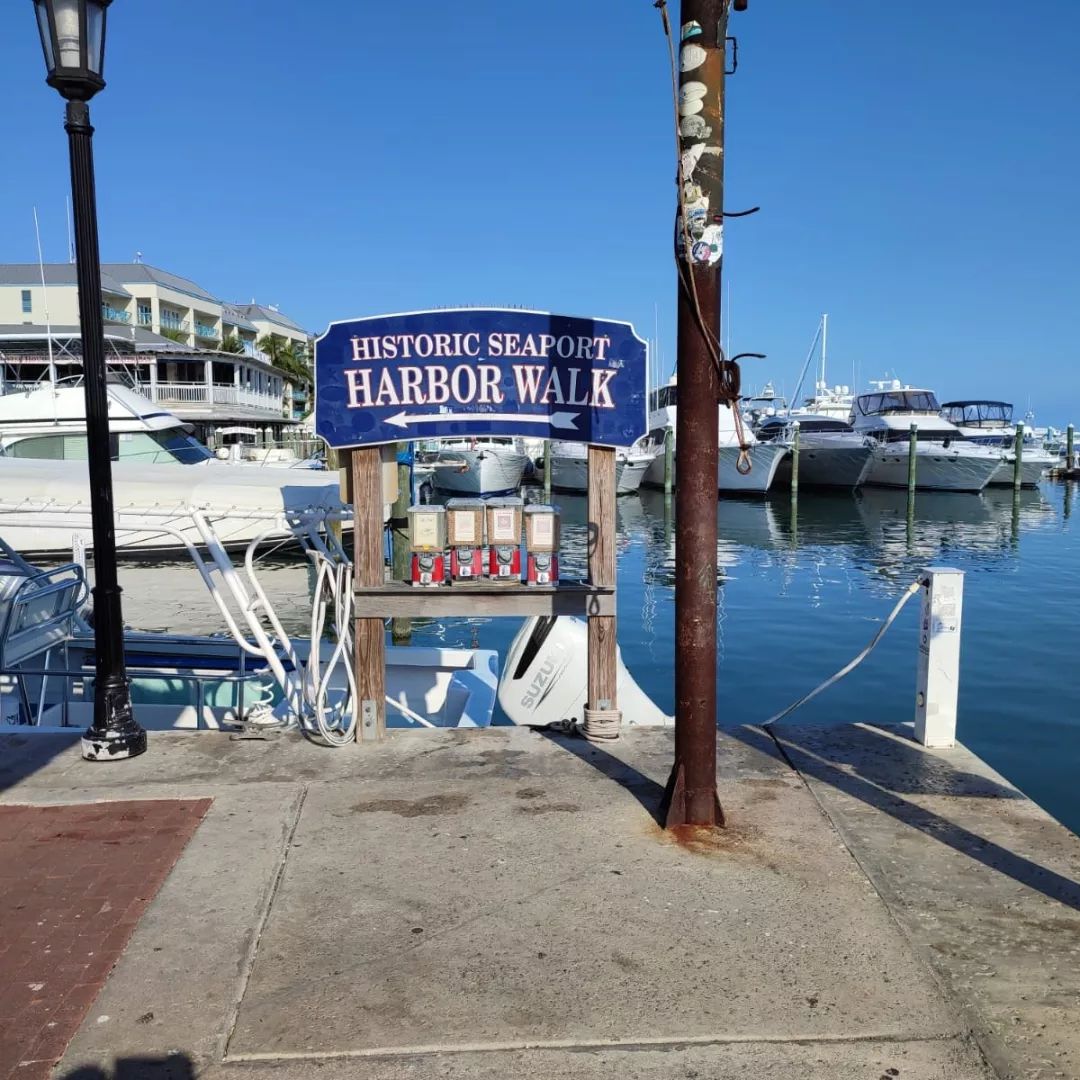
<point>664,397</point>
<point>897,401</point>
<point>978,413</point>
<point>151,447</point>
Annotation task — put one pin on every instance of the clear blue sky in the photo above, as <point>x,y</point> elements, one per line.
<point>916,165</point>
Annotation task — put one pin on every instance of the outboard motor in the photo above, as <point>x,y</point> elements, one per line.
<point>545,677</point>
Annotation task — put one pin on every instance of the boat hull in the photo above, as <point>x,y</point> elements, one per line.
<point>481,472</point>
<point>1031,471</point>
<point>936,469</point>
<point>572,473</point>
<point>828,467</point>
<point>765,459</point>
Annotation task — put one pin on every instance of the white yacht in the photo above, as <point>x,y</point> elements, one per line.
<point>990,423</point>
<point>479,467</point>
<point>765,458</point>
<point>45,504</point>
<point>570,465</point>
<point>831,453</point>
<point>49,422</point>
<point>945,460</point>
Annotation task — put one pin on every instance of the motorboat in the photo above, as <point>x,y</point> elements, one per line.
<point>45,504</point>
<point>570,466</point>
<point>945,460</point>
<point>476,466</point>
<point>48,421</point>
<point>831,453</point>
<point>990,423</point>
<point>254,679</point>
<point>763,406</point>
<point>763,458</point>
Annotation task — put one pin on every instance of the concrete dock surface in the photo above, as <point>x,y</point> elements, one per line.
<point>500,903</point>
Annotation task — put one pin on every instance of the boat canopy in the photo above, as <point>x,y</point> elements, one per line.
<point>897,401</point>
<point>978,413</point>
<point>775,425</point>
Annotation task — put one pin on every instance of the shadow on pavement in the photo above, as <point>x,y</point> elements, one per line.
<point>876,784</point>
<point>172,1067</point>
<point>646,790</point>
<point>23,755</point>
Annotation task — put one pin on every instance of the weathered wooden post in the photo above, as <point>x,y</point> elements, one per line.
<point>369,634</point>
<point>547,470</point>
<point>795,460</point>
<point>603,720</point>
<point>1069,439</point>
<point>1018,458</point>
<point>912,463</point>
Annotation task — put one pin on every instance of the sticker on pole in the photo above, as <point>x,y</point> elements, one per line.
<point>480,371</point>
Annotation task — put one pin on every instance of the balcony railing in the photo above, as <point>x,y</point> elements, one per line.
<point>111,314</point>
<point>174,322</point>
<point>201,394</point>
<point>205,331</point>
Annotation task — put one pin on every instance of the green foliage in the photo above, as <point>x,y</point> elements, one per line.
<point>174,335</point>
<point>231,344</point>
<point>290,358</point>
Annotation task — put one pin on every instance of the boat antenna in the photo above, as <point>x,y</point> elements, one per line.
<point>45,295</point>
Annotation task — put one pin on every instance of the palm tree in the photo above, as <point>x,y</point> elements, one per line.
<point>231,344</point>
<point>286,356</point>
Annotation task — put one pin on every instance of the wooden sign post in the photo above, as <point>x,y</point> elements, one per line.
<point>480,372</point>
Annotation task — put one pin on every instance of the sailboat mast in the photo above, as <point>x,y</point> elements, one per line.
<point>45,300</point>
<point>824,349</point>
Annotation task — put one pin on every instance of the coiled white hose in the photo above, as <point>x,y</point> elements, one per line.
<point>335,723</point>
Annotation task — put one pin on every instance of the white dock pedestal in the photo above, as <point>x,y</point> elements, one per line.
<point>938,680</point>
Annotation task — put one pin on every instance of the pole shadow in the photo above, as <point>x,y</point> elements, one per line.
<point>875,787</point>
<point>646,790</point>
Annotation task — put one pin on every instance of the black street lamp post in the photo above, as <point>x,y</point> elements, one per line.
<point>73,38</point>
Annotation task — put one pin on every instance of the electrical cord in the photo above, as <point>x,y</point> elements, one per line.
<point>909,592</point>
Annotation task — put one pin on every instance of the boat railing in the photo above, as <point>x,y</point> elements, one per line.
<point>34,707</point>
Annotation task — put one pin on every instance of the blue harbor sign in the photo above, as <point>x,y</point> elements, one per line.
<point>480,371</point>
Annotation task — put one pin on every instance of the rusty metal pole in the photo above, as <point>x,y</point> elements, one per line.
<point>691,797</point>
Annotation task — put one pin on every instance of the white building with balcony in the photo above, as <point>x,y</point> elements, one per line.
<point>165,335</point>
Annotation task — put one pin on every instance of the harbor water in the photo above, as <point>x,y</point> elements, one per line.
<point>800,593</point>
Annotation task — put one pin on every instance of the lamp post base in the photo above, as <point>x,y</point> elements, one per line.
<point>115,733</point>
<point>113,745</point>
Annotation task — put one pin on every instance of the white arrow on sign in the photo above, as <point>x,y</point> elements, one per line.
<point>564,420</point>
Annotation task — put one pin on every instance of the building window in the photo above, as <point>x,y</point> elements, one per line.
<point>146,313</point>
<point>27,302</point>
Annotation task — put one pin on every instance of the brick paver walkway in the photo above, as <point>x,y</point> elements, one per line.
<point>74,881</point>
